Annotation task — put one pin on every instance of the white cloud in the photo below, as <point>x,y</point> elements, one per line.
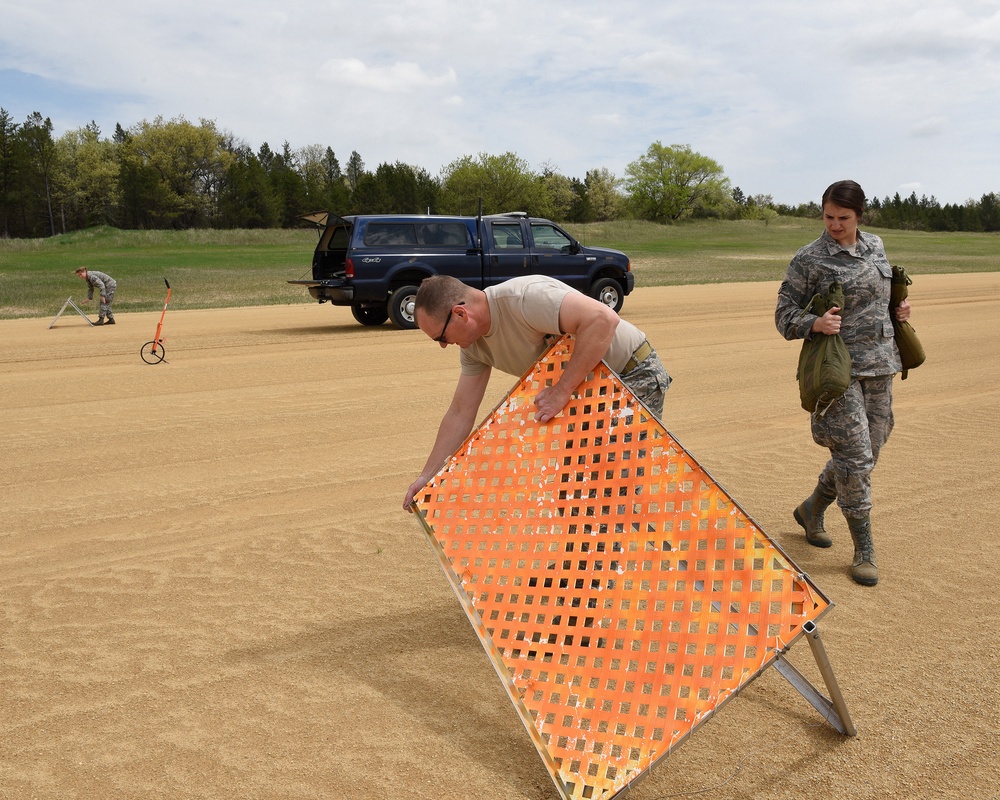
<point>784,95</point>
<point>610,120</point>
<point>927,128</point>
<point>391,78</point>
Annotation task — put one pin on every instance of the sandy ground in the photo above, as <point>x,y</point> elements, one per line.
<point>208,588</point>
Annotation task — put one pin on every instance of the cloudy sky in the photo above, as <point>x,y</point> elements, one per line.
<point>787,95</point>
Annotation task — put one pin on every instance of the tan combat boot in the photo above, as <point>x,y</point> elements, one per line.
<point>810,516</point>
<point>864,570</point>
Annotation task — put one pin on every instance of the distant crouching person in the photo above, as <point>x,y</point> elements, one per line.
<point>105,286</point>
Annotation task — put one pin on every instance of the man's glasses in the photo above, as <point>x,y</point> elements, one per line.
<point>440,338</point>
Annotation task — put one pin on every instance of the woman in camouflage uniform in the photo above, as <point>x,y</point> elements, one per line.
<point>854,427</point>
<point>105,286</point>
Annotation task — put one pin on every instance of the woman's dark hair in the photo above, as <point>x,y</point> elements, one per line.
<point>846,194</point>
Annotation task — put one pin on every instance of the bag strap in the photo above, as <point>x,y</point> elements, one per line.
<point>809,305</point>
<point>824,301</point>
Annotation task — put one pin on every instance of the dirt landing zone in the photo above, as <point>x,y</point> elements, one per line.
<point>208,588</point>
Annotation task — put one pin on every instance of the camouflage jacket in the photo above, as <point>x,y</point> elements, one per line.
<point>100,281</point>
<point>866,327</point>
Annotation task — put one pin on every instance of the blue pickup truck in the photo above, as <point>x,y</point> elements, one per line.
<point>374,263</point>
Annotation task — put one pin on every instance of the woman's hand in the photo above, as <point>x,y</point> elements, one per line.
<point>903,311</point>
<point>829,323</point>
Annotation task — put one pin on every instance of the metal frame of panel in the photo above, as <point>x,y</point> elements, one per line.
<point>621,594</point>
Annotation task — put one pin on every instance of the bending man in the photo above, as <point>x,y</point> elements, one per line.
<point>508,326</point>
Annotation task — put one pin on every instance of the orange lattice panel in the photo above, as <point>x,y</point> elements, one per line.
<point>620,592</point>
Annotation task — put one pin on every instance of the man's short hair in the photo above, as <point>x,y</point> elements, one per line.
<point>438,294</point>
<point>80,270</point>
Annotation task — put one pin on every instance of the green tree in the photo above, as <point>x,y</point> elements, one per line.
<point>176,169</point>
<point>42,160</point>
<point>246,196</point>
<point>504,182</point>
<point>989,212</point>
<point>564,203</point>
<point>395,188</point>
<point>670,183</point>
<point>603,198</point>
<point>324,184</point>
<point>136,181</point>
<point>757,207</point>
<point>9,174</point>
<point>338,196</point>
<point>289,187</point>
<point>90,192</point>
<point>355,169</point>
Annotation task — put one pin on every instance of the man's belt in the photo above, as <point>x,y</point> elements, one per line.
<point>642,352</point>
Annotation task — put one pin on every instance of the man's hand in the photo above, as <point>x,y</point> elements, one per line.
<point>551,401</point>
<point>593,326</point>
<point>415,487</point>
<point>455,426</point>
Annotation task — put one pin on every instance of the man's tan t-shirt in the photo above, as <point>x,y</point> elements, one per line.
<point>524,321</point>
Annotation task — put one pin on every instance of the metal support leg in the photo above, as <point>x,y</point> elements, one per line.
<point>833,708</point>
<point>79,311</point>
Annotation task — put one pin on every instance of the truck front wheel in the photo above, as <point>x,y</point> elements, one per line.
<point>369,315</point>
<point>609,292</point>
<point>400,307</point>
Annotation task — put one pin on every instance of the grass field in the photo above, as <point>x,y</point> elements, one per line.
<point>217,269</point>
<point>746,250</point>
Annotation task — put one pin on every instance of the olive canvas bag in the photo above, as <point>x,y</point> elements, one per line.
<point>824,371</point>
<point>911,351</point>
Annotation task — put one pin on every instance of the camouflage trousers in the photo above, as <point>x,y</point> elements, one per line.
<point>854,428</point>
<point>104,309</point>
<point>649,381</point>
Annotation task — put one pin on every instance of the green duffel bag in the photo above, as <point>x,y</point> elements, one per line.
<point>824,363</point>
<point>911,352</point>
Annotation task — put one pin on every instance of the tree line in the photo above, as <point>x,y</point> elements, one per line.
<point>919,214</point>
<point>175,174</point>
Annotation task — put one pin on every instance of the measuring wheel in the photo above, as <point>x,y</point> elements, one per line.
<point>153,352</point>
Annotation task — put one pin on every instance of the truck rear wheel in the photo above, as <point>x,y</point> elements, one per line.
<point>400,307</point>
<point>609,292</point>
<point>369,315</point>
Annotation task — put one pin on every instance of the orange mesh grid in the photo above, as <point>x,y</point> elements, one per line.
<point>620,592</point>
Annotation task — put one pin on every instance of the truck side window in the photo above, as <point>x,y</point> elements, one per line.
<point>450,234</point>
<point>390,233</point>
<point>550,236</point>
<point>507,236</point>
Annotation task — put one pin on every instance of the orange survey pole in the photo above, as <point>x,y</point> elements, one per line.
<point>153,352</point>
